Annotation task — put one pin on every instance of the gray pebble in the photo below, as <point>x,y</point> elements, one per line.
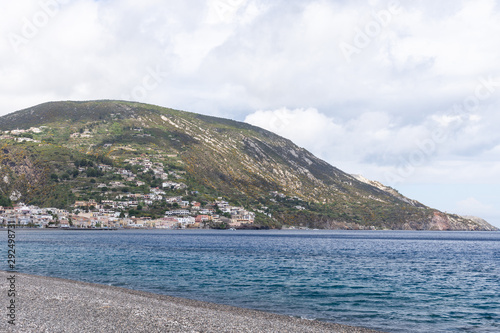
<point>53,305</point>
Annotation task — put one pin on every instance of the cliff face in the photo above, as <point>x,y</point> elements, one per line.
<point>446,222</point>
<point>283,183</point>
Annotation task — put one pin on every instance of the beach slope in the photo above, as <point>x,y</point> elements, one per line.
<point>44,304</point>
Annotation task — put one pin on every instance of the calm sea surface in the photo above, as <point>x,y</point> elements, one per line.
<point>392,281</point>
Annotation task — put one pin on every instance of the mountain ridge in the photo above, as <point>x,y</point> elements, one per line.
<point>220,157</point>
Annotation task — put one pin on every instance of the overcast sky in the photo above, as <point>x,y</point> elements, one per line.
<point>403,92</point>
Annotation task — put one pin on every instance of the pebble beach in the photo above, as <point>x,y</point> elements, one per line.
<point>45,304</point>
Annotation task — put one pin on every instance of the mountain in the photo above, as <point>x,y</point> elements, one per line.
<point>56,153</point>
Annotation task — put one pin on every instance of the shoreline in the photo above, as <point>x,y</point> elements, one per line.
<point>5,228</point>
<point>48,304</point>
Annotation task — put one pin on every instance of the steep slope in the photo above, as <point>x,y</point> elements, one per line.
<point>284,184</point>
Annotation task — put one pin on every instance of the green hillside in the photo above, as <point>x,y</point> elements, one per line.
<point>57,153</point>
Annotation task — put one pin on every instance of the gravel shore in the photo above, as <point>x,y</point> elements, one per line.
<point>44,304</point>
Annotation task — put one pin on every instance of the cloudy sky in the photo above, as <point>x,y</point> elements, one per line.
<point>403,92</point>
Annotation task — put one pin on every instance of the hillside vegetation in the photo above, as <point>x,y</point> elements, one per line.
<point>55,154</point>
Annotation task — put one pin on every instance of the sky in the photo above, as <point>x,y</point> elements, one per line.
<point>403,92</point>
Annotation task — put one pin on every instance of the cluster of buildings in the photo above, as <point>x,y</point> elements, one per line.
<point>156,168</point>
<point>17,134</point>
<point>114,213</point>
<point>187,215</point>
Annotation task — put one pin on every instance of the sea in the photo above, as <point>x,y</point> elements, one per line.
<point>394,281</point>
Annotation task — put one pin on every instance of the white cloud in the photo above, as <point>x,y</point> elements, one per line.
<point>472,206</point>
<point>285,53</point>
<point>304,126</point>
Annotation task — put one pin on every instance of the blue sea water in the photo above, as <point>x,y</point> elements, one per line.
<point>395,281</point>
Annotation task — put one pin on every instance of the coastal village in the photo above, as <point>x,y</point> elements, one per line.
<point>103,216</point>
<point>116,201</point>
